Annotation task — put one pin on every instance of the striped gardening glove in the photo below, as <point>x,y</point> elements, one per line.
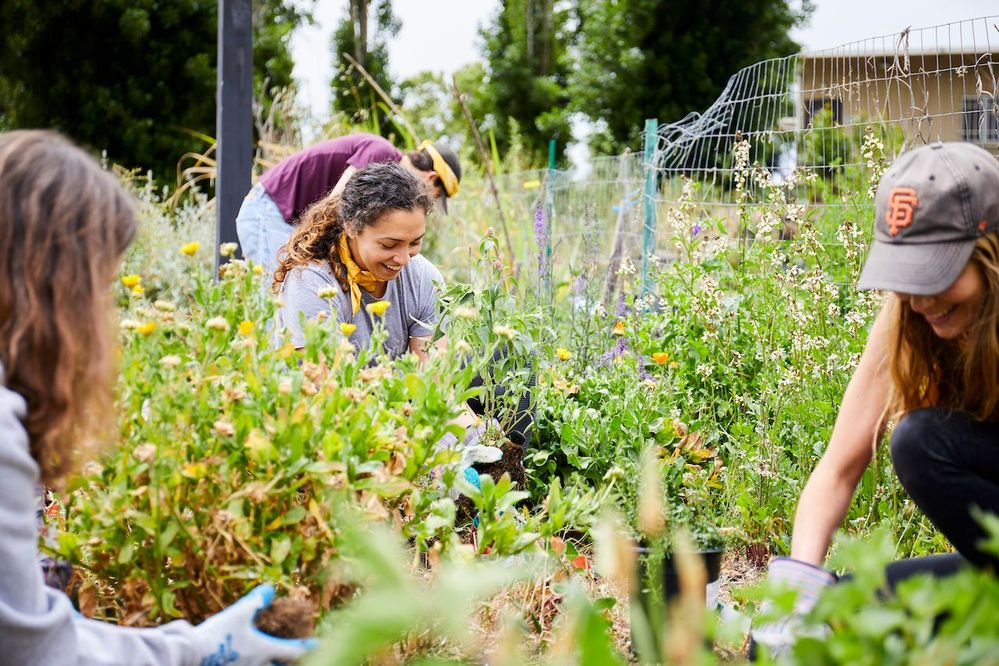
<point>777,636</point>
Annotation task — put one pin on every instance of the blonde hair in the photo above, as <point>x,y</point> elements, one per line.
<point>373,191</point>
<point>64,224</point>
<point>960,374</point>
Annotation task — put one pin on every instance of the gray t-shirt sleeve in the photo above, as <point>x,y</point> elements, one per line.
<point>300,296</point>
<point>38,624</point>
<point>426,310</point>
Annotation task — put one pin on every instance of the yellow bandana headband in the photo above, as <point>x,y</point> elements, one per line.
<point>442,168</point>
<point>356,277</point>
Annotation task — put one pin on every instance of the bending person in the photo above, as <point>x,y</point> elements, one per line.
<point>64,225</point>
<point>931,363</point>
<point>276,204</point>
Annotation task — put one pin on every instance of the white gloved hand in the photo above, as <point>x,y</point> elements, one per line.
<point>808,581</point>
<point>230,637</point>
<point>472,452</point>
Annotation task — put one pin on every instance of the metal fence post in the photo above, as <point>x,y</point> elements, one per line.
<point>234,117</point>
<point>649,200</point>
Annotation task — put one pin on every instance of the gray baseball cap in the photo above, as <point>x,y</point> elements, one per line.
<point>932,204</point>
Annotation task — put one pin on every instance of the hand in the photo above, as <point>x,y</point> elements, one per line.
<point>472,452</point>
<point>808,581</point>
<point>230,637</point>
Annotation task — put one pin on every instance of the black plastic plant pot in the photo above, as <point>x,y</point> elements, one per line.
<point>670,581</point>
<point>658,586</point>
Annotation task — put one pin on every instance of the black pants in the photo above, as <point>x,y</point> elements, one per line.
<point>523,417</point>
<point>948,462</point>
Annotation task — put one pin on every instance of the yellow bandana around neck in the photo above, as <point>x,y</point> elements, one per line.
<point>356,277</point>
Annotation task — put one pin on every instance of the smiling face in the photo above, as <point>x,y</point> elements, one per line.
<point>951,312</point>
<point>385,247</point>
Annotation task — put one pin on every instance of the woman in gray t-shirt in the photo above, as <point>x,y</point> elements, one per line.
<point>353,254</point>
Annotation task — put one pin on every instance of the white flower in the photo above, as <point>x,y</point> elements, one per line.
<point>327,292</point>
<point>170,361</point>
<point>504,331</point>
<point>217,324</point>
<point>466,312</point>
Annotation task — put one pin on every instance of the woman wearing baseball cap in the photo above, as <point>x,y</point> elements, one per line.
<point>931,365</point>
<point>276,203</point>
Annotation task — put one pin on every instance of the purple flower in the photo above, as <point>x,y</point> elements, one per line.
<point>541,238</point>
<point>696,229</point>
<point>622,305</point>
<point>579,285</point>
<point>620,347</point>
<point>642,372</point>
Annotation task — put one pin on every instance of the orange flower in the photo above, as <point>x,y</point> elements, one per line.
<point>618,328</point>
<point>660,357</point>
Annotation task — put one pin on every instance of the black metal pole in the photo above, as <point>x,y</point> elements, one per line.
<point>234,117</point>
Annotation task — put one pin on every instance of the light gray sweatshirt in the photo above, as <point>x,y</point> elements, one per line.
<point>38,625</point>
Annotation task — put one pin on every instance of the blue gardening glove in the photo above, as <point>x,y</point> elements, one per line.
<point>808,581</point>
<point>230,637</point>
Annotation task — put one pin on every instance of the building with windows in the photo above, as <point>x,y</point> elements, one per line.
<point>938,96</point>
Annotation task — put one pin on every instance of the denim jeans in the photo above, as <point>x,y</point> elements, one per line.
<point>261,228</point>
<point>948,462</point>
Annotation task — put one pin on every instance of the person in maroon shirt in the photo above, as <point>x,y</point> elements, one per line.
<point>284,192</point>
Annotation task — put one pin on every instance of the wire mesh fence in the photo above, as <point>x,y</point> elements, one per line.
<point>828,113</point>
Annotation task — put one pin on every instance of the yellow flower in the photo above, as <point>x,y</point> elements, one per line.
<point>347,329</point>
<point>258,269</point>
<point>131,280</point>
<point>190,249</point>
<point>225,249</point>
<point>674,364</point>
<point>563,354</point>
<point>618,328</point>
<point>146,328</point>
<point>378,307</point>
<point>660,357</point>
<point>245,327</point>
<point>138,290</point>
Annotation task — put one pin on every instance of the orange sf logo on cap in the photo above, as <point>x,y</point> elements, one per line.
<point>901,202</point>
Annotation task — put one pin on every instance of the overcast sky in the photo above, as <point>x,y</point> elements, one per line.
<point>442,35</point>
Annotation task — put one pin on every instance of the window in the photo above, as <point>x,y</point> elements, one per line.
<point>823,112</point>
<point>979,119</point>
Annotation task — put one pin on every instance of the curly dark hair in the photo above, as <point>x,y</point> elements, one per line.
<point>373,191</point>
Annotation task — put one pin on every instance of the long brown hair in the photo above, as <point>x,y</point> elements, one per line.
<point>64,224</point>
<point>373,191</point>
<point>961,374</point>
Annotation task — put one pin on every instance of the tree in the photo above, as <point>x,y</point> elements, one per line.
<point>133,78</point>
<point>527,50</point>
<point>662,59</point>
<point>352,94</point>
